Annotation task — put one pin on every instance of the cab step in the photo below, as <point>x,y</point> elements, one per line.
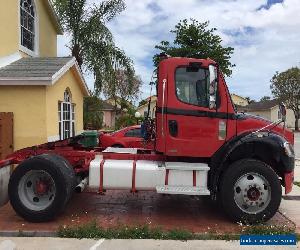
<point>187,190</point>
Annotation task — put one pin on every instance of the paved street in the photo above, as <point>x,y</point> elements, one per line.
<point>297,145</point>
<point>73,244</point>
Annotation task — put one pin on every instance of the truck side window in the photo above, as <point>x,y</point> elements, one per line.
<point>192,86</point>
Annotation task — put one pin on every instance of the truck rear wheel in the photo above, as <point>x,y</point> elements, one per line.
<point>250,191</point>
<point>40,187</point>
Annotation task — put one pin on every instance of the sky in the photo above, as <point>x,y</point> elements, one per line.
<point>265,35</point>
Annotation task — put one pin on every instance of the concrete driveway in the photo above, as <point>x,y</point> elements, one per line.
<point>297,145</point>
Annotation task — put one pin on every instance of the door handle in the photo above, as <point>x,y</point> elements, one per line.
<point>173,128</point>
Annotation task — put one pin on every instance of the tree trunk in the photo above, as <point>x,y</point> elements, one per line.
<point>76,53</point>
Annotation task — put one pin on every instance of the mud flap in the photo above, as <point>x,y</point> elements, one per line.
<point>5,173</point>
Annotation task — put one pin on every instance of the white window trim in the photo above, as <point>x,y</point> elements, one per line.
<point>25,50</point>
<point>62,132</point>
<point>71,120</point>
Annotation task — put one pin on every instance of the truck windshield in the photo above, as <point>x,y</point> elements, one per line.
<point>192,86</point>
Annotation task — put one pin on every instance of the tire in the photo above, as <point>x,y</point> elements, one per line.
<point>250,191</point>
<point>68,173</point>
<point>56,180</point>
<point>117,146</point>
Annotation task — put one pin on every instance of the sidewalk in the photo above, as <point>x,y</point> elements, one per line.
<point>290,204</point>
<point>74,244</point>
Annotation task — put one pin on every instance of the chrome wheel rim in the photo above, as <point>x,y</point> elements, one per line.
<point>37,190</point>
<point>252,193</point>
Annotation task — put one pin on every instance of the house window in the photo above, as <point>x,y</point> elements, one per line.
<point>27,20</point>
<point>66,117</point>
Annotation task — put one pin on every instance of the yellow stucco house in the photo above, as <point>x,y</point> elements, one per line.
<point>269,109</point>
<point>143,109</point>
<point>42,91</point>
<point>239,100</point>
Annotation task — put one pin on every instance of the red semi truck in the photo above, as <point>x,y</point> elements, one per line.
<point>202,147</point>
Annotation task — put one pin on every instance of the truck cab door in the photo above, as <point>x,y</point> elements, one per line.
<point>192,128</point>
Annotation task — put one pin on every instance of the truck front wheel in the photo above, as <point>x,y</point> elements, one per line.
<point>40,187</point>
<point>250,191</point>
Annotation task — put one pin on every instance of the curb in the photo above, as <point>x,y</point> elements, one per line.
<point>28,234</point>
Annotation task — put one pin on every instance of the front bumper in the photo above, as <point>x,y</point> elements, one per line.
<point>288,181</point>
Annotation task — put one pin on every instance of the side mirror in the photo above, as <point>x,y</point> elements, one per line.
<point>213,86</point>
<point>282,110</point>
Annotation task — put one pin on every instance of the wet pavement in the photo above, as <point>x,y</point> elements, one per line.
<point>115,208</point>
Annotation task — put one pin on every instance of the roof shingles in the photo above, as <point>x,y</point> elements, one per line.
<point>262,105</point>
<point>38,67</point>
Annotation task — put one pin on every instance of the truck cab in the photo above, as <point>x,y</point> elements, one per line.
<point>194,118</point>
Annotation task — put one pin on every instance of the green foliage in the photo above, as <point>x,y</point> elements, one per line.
<point>123,88</point>
<point>265,98</point>
<point>286,87</point>
<point>93,231</point>
<point>249,100</point>
<point>142,102</point>
<point>91,41</point>
<point>92,116</point>
<point>126,118</point>
<point>263,229</point>
<point>196,40</point>
<point>297,183</point>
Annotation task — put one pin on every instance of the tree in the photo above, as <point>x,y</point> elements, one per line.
<point>249,100</point>
<point>286,87</point>
<point>92,114</point>
<point>123,87</point>
<point>265,98</point>
<point>196,40</point>
<point>143,102</point>
<point>91,41</point>
<point>127,119</point>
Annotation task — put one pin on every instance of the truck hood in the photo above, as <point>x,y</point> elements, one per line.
<point>249,123</point>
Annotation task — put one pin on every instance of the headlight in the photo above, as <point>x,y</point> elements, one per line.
<point>289,150</point>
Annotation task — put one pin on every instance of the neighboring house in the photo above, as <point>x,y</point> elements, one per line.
<point>269,109</point>
<point>239,100</point>
<point>109,115</point>
<point>143,109</point>
<point>44,92</point>
<point>118,101</point>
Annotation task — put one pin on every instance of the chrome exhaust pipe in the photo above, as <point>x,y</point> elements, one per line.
<point>82,185</point>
